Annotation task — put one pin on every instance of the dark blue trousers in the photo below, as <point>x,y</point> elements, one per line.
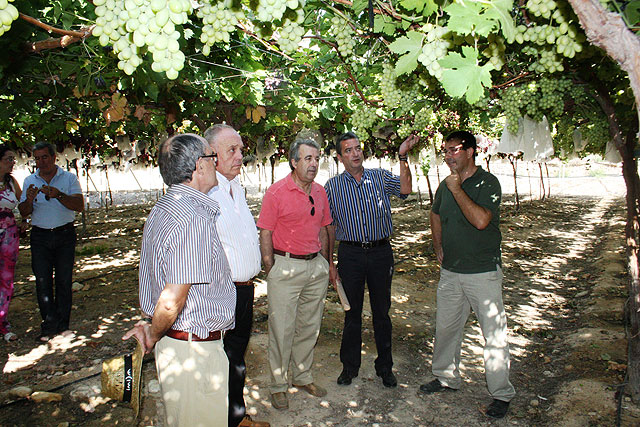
<point>375,267</point>
<point>53,251</point>
<point>235,345</point>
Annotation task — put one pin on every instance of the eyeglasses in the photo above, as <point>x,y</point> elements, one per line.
<point>452,150</point>
<point>211,156</point>
<point>313,208</point>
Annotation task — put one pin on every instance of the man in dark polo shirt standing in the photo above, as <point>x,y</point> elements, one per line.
<point>465,220</point>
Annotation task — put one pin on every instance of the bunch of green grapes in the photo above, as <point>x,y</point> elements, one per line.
<point>219,21</point>
<point>363,118</point>
<point>513,99</point>
<point>563,138</point>
<point>408,99</point>
<point>345,36</point>
<point>8,14</point>
<point>424,118</point>
<point>434,49</point>
<point>273,10</point>
<point>291,35</point>
<point>404,130</point>
<point>557,30</point>
<point>390,92</point>
<point>596,130</point>
<point>133,26</point>
<point>495,51</point>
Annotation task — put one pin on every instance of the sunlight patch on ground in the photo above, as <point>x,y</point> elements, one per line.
<point>97,262</point>
<point>400,298</point>
<point>59,343</point>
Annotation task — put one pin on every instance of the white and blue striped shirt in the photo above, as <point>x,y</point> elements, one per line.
<point>361,211</point>
<point>180,245</point>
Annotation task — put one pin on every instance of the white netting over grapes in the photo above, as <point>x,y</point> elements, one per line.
<point>533,140</point>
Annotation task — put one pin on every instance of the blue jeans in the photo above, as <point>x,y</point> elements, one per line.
<point>53,250</point>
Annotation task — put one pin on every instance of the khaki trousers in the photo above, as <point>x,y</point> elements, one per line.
<point>295,290</point>
<point>193,378</point>
<point>456,295</point>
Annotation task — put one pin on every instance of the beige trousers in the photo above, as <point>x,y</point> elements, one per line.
<point>295,290</point>
<point>193,378</point>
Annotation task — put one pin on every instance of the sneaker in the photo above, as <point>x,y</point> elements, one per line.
<point>497,409</point>
<point>388,379</point>
<point>346,377</point>
<point>279,400</point>
<point>434,386</point>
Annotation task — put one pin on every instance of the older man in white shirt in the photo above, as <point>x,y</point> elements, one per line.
<point>239,236</point>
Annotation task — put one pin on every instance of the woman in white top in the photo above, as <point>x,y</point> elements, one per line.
<point>9,236</point>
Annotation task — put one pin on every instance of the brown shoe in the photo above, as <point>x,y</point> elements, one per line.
<point>312,389</point>
<point>248,422</point>
<point>279,400</point>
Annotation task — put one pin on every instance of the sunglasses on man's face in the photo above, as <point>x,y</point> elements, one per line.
<point>313,208</point>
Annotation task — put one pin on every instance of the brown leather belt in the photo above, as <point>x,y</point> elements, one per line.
<point>247,283</point>
<point>290,255</point>
<point>184,336</point>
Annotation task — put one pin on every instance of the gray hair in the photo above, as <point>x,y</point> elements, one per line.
<point>294,149</point>
<point>212,133</point>
<point>42,145</point>
<point>179,156</point>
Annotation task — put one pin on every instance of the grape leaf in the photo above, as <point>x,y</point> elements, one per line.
<point>632,12</point>
<point>117,110</point>
<point>500,10</point>
<point>411,43</point>
<point>359,5</point>
<point>380,25</point>
<point>464,76</point>
<point>427,7</point>
<point>468,18</point>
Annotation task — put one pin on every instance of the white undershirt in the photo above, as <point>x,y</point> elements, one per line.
<point>236,229</point>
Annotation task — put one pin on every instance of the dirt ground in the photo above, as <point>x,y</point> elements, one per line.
<point>564,291</point>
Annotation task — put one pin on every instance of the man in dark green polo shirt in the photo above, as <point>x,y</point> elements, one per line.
<point>465,220</point>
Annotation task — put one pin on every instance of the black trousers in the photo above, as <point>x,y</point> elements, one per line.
<point>235,345</point>
<point>375,267</point>
<point>53,250</point>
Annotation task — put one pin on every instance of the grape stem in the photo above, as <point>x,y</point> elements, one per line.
<point>83,34</point>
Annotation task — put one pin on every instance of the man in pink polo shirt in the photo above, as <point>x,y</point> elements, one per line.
<point>294,245</point>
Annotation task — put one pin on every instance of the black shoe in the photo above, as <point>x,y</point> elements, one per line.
<point>434,386</point>
<point>497,409</point>
<point>388,379</point>
<point>346,377</point>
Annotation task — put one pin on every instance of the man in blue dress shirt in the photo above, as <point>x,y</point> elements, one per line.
<point>361,212</point>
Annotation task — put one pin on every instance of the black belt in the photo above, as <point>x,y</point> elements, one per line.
<point>290,255</point>
<point>67,226</point>
<point>365,245</point>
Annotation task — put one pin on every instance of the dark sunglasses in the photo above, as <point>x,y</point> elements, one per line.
<point>313,208</point>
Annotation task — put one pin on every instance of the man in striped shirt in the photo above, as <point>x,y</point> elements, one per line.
<point>294,243</point>
<point>239,235</point>
<point>361,211</point>
<point>186,288</point>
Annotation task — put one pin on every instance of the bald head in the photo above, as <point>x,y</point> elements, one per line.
<point>225,141</point>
